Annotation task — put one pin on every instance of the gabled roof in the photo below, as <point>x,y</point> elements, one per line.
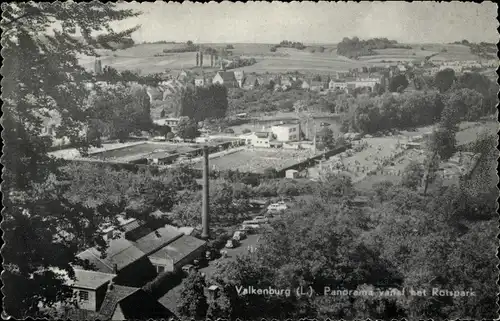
<point>227,75</point>
<point>158,239</point>
<point>113,298</point>
<point>120,252</point>
<point>238,75</point>
<point>91,280</point>
<point>250,80</point>
<point>180,248</point>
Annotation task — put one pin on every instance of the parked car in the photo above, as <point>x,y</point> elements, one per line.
<point>239,235</point>
<point>261,219</point>
<point>188,268</point>
<point>231,244</point>
<point>229,131</point>
<point>280,206</point>
<point>246,229</point>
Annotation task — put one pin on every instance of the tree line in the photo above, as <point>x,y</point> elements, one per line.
<point>472,95</point>
<point>354,47</point>
<point>288,44</point>
<point>400,239</point>
<point>200,103</point>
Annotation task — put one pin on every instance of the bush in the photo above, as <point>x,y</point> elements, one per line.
<point>246,131</point>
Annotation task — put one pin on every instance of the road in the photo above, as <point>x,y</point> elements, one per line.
<point>171,298</point>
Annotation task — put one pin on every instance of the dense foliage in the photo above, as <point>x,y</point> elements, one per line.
<point>288,44</point>
<point>204,102</point>
<point>119,110</point>
<point>401,240</point>
<point>41,76</point>
<point>354,48</point>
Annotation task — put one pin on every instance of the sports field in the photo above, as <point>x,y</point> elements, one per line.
<point>152,150</point>
<point>256,160</point>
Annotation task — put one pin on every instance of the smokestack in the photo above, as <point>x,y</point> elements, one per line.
<point>204,218</point>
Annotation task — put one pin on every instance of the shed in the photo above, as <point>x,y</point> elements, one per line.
<point>291,173</point>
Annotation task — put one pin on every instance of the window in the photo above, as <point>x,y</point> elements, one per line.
<point>84,295</point>
<point>160,268</point>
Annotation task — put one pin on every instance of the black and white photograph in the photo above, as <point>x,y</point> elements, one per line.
<point>188,161</point>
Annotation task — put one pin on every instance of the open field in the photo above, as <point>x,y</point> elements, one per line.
<point>141,57</point>
<point>256,160</point>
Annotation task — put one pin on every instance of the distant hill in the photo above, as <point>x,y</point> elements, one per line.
<point>354,48</point>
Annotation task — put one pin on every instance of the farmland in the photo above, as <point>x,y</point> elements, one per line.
<point>142,57</point>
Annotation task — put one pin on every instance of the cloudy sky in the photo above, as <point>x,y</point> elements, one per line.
<point>263,22</point>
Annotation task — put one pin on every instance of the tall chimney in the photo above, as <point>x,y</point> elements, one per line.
<point>204,218</point>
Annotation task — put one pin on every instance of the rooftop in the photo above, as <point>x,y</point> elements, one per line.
<point>91,280</point>
<point>180,248</point>
<point>113,297</point>
<point>158,239</point>
<point>285,125</point>
<point>120,252</point>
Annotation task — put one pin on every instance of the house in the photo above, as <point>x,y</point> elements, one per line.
<point>133,257</point>
<point>317,85</point>
<point>259,139</point>
<point>239,75</point>
<point>292,173</point>
<point>286,132</point>
<point>172,122</point>
<point>183,250</point>
<point>122,303</point>
<point>250,82</point>
<point>305,85</point>
<point>98,298</point>
<point>337,85</point>
<point>90,287</point>
<point>200,81</point>
<point>402,68</point>
<point>225,78</point>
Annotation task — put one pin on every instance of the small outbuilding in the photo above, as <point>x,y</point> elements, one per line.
<point>292,173</point>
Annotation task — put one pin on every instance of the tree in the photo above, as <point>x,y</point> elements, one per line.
<point>187,129</point>
<point>398,83</point>
<point>169,136</point>
<point>412,175</point>
<point>444,79</point>
<point>197,59</point>
<point>327,139</point>
<point>41,76</point>
<point>119,110</point>
<point>193,302</point>
<point>189,43</point>
<point>270,173</point>
<point>201,59</point>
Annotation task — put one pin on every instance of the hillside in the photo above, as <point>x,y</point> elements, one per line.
<point>142,57</point>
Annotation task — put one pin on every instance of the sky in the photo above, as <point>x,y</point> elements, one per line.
<point>309,22</point>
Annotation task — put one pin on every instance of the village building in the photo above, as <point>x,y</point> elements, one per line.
<point>305,85</point>
<point>239,75</point>
<point>337,85</point>
<point>200,81</point>
<point>317,85</point>
<point>250,82</point>
<point>98,298</point>
<point>225,78</point>
<point>137,253</point>
<point>286,132</point>
<point>260,139</point>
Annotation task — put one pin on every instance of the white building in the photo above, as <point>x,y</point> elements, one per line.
<point>286,132</point>
<point>337,85</point>
<point>259,139</point>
